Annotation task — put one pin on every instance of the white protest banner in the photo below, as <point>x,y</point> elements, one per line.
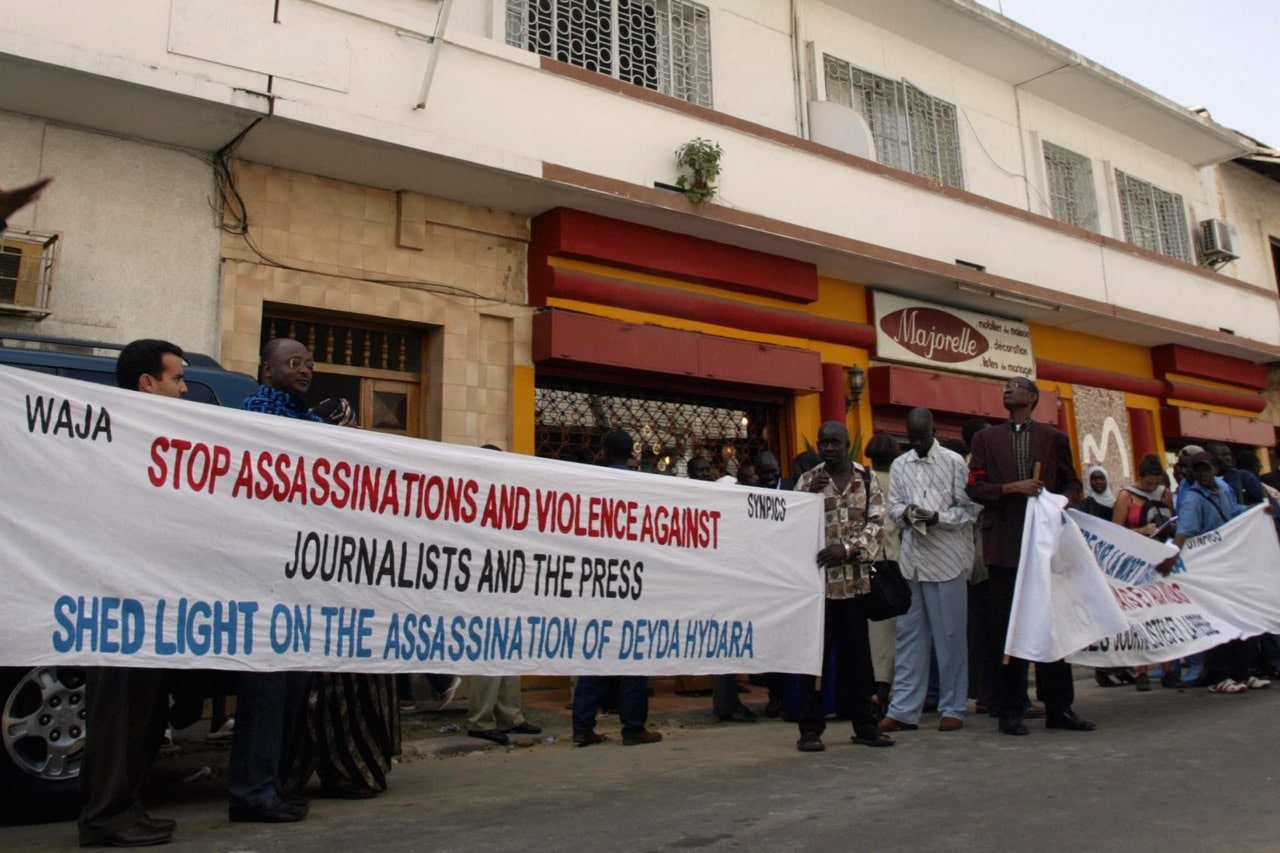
<point>145,531</point>
<point>1225,586</point>
<point>1061,601</point>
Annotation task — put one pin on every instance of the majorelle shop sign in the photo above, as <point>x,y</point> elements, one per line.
<point>951,339</point>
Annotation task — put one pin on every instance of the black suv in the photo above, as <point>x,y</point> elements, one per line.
<point>43,711</point>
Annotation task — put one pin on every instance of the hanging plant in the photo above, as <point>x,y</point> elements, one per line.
<point>701,160</point>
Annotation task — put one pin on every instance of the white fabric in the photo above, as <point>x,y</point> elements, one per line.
<point>1088,590</point>
<point>135,522</point>
<point>1061,602</point>
<point>1225,586</point>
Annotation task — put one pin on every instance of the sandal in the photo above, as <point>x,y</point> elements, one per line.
<point>875,740</point>
<point>1105,678</point>
<point>1226,685</point>
<point>1256,683</point>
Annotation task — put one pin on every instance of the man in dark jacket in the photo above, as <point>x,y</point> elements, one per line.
<point>1010,463</point>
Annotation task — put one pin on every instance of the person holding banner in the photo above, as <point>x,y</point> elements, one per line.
<point>853,524</point>
<point>269,704</point>
<point>633,690</point>
<point>126,708</point>
<point>1207,506</point>
<point>927,502</point>
<point>1010,463</point>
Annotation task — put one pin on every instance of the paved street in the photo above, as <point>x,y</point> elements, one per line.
<point>1188,769</point>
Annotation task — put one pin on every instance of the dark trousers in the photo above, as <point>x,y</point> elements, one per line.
<point>1229,660</point>
<point>1054,686</point>
<point>124,722</point>
<point>268,715</point>
<point>633,702</point>
<point>845,630</point>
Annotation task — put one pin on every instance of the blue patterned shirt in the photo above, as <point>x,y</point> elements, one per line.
<point>272,401</point>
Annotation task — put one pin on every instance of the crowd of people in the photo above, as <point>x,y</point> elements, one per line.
<point>950,514</point>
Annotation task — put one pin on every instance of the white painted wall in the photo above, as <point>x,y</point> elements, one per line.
<point>1251,203</point>
<point>356,66</point>
<point>139,240</point>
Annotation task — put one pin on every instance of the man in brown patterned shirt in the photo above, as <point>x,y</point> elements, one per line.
<point>853,518</point>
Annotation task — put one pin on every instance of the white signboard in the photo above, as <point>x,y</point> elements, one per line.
<point>145,531</point>
<point>951,339</point>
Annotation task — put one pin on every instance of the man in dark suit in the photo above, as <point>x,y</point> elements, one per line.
<point>1010,463</point>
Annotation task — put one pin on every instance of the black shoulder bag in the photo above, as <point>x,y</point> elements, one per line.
<point>890,594</point>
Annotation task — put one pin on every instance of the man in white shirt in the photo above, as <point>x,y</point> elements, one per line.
<point>927,501</point>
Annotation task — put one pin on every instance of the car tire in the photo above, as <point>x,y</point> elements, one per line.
<point>42,725</point>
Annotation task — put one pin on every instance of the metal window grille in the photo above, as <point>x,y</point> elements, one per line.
<point>572,416</point>
<point>1154,219</point>
<point>913,130</point>
<point>1071,194</point>
<point>28,260</point>
<point>664,45</point>
<point>346,344</point>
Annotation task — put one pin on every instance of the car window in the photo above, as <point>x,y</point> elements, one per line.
<point>100,376</point>
<point>200,393</point>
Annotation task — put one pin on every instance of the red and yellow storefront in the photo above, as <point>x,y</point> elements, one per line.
<point>634,318</point>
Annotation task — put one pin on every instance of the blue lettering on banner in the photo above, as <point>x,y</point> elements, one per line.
<point>117,626</point>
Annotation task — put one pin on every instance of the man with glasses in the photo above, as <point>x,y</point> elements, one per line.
<point>1010,463</point>
<point>269,704</point>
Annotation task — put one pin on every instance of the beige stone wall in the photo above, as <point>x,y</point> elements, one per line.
<point>457,272</point>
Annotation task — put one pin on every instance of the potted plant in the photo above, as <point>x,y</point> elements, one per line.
<point>701,160</point>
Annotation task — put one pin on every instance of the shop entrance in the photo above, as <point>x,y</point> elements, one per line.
<point>669,428</point>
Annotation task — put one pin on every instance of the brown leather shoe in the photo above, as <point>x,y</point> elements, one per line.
<point>950,724</point>
<point>889,724</point>
<point>588,738</point>
<point>642,737</point>
<point>138,835</point>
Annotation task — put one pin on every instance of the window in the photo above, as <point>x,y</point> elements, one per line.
<point>912,130</point>
<point>1071,195</point>
<point>1154,219</point>
<point>27,261</point>
<point>664,45</point>
<point>1275,260</point>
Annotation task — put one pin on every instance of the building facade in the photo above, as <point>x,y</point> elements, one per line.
<point>471,211</point>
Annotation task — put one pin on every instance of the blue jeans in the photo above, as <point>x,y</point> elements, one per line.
<point>633,702</point>
<point>268,713</point>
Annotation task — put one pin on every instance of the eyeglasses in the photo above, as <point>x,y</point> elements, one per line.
<point>298,361</point>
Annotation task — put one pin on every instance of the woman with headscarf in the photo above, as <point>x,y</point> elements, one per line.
<point>1099,500</point>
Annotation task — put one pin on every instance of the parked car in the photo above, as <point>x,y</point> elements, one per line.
<point>43,712</point>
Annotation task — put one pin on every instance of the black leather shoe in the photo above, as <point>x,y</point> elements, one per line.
<point>138,835</point>
<point>1069,721</point>
<point>525,728</point>
<point>1013,726</point>
<point>739,715</point>
<point>268,811</point>
<point>159,824</point>
<point>493,735</point>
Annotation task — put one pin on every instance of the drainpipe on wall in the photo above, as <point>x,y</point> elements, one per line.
<point>796,66</point>
<point>442,20</point>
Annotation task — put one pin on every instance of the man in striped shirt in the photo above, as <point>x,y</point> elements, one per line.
<point>928,503</point>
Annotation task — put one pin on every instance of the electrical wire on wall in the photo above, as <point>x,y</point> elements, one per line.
<point>1019,175</point>
<point>236,221</point>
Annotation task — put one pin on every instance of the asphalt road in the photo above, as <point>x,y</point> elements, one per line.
<point>1169,768</point>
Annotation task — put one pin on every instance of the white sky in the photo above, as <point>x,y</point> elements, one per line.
<point>1219,54</point>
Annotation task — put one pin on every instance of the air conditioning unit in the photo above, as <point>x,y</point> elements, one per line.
<point>1219,242</point>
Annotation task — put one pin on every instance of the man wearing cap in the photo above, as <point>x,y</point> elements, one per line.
<point>1208,505</point>
<point>1010,463</point>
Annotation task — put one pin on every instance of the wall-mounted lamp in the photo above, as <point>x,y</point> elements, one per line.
<point>857,382</point>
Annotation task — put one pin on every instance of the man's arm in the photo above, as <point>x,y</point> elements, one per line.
<point>962,511</point>
<point>868,540</point>
<point>899,496</point>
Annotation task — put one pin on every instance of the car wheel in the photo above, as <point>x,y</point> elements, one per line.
<point>42,723</point>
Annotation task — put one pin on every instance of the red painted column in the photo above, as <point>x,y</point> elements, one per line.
<point>834,387</point>
<point>1141,434</point>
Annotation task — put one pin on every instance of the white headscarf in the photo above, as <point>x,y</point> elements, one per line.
<point>1105,497</point>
